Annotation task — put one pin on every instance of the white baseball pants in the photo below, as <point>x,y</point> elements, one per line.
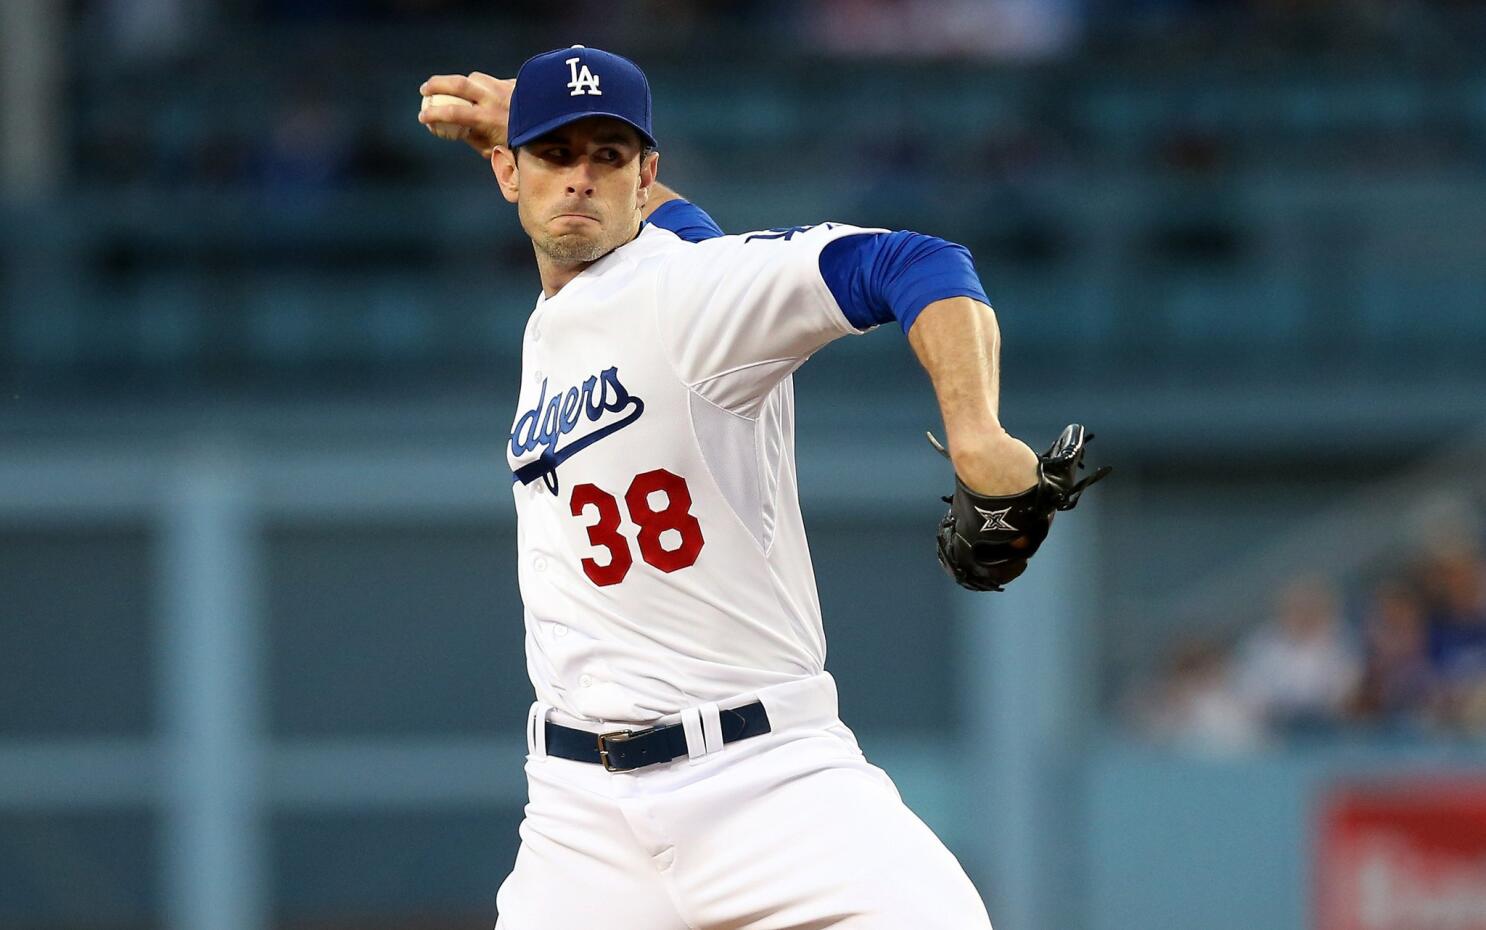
<point>792,830</point>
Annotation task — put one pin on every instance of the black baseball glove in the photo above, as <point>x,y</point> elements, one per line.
<point>985,542</point>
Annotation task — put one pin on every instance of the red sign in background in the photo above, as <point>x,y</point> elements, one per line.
<point>1402,855</point>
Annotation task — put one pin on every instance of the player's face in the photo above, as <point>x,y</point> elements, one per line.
<point>579,189</point>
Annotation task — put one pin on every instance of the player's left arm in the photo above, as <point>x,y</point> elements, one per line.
<point>958,342</point>
<point>930,288</point>
<point>489,116</point>
<point>1005,496</point>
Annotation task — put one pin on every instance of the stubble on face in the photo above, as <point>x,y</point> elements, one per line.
<point>572,248</point>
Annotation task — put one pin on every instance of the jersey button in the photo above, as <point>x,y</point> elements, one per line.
<point>586,681</point>
<point>559,630</point>
<point>539,563</point>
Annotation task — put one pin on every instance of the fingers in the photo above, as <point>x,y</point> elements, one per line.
<point>476,87</point>
<point>485,119</point>
<point>454,84</point>
<point>457,114</point>
<point>497,88</point>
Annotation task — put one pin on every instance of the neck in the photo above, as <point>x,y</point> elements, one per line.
<point>556,275</point>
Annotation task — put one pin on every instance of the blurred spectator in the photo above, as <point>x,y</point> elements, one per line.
<point>1398,684</point>
<point>1299,670</point>
<point>1194,705</point>
<point>1457,609</point>
<point>1419,663</point>
<point>1454,579</point>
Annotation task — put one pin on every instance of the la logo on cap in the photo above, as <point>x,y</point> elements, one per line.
<point>583,81</point>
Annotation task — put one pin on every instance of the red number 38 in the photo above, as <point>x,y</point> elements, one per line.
<point>668,553</point>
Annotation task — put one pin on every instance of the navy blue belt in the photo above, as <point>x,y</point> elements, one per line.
<point>626,750</point>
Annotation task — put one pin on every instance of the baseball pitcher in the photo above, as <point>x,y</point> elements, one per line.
<point>687,766</point>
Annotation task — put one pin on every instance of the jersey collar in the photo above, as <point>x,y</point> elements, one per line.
<point>609,260</point>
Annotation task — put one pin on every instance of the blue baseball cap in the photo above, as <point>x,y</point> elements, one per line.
<point>567,84</point>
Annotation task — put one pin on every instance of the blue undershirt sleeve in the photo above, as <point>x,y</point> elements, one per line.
<point>686,220</point>
<point>877,277</point>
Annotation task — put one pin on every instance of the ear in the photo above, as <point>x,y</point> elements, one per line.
<point>649,168</point>
<point>503,163</point>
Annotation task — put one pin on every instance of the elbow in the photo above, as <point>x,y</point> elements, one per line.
<point>976,311</point>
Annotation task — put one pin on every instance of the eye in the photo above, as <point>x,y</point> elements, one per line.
<point>609,154</point>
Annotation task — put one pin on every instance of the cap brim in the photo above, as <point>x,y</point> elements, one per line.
<point>541,129</point>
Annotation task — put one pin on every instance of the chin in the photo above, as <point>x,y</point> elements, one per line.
<point>574,247</point>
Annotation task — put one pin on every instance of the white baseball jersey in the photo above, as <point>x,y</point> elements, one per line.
<point>663,560</point>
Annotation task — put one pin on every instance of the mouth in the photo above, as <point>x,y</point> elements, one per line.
<point>576,216</point>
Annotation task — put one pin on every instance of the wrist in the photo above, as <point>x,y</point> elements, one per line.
<point>994,463</point>
<point>976,441</point>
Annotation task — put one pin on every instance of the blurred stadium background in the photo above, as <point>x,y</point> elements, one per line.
<point>260,643</point>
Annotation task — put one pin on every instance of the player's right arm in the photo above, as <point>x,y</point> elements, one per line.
<point>489,116</point>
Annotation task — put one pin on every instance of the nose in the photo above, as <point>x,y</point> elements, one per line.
<point>580,179</point>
